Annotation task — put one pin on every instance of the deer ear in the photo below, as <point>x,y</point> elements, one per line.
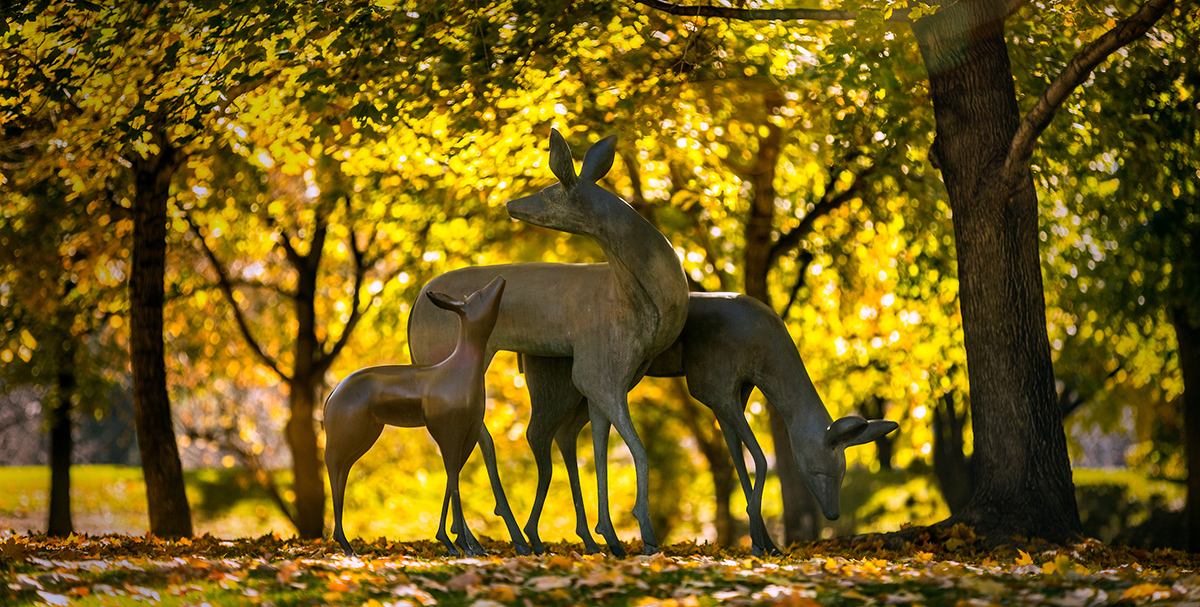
<point>598,159</point>
<point>843,430</point>
<point>875,429</point>
<point>444,301</point>
<point>561,162</point>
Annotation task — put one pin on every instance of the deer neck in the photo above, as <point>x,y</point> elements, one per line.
<point>469,350</point>
<point>645,268</point>
<point>786,384</point>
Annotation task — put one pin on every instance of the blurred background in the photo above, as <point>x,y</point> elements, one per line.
<point>331,160</point>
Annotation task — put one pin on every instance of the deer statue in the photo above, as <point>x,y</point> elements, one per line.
<point>447,398</point>
<point>612,318</point>
<point>731,344</point>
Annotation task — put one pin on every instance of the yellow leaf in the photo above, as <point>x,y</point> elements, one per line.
<point>1150,591</point>
<point>1024,559</point>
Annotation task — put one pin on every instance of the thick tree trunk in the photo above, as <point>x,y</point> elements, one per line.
<point>168,505</point>
<point>61,443</point>
<point>1188,336</point>
<point>1023,480</point>
<point>301,433</point>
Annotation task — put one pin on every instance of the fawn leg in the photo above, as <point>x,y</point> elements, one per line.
<point>604,526</point>
<point>502,508</point>
<point>348,437</point>
<point>566,438</point>
<point>552,397</point>
<point>441,531</point>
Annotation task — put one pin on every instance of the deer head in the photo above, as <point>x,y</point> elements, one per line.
<point>478,311</point>
<point>824,465</point>
<point>575,204</point>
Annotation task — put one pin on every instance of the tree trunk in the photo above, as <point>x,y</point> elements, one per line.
<point>950,464</point>
<point>167,500</point>
<point>800,522</point>
<point>301,433</point>
<point>1188,336</point>
<point>1023,480</point>
<point>61,443</point>
<point>876,408</point>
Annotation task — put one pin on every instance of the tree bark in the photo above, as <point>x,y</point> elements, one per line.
<point>170,515</point>
<point>301,433</point>
<point>61,443</point>
<point>1188,336</point>
<point>1022,471</point>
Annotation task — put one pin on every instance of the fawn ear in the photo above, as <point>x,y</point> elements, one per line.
<point>561,162</point>
<point>444,301</point>
<point>598,159</point>
<point>875,429</point>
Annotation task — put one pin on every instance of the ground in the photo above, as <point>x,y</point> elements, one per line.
<point>951,569</point>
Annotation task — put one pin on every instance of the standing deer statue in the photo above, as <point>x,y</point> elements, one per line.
<point>447,398</point>
<point>612,318</point>
<point>731,344</point>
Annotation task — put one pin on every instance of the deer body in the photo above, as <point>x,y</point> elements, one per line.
<point>730,344</point>
<point>611,318</point>
<point>447,398</point>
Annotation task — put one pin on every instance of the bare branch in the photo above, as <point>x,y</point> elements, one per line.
<point>227,288</point>
<point>1074,74</point>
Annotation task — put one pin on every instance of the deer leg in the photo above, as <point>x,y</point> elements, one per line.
<point>641,465</point>
<point>348,436</point>
<point>552,398</point>
<point>566,437</point>
<point>604,526</point>
<point>502,508</point>
<point>758,527</point>
<point>739,463</point>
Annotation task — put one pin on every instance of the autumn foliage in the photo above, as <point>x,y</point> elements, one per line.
<point>953,569</point>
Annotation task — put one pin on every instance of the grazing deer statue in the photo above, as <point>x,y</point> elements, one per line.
<point>447,398</point>
<point>730,344</point>
<point>612,318</point>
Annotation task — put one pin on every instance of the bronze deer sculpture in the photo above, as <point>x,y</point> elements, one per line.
<point>731,344</point>
<point>447,398</point>
<point>612,318</point>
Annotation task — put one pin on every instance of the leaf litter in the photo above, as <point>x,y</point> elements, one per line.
<point>950,567</point>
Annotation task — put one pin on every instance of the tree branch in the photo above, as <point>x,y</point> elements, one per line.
<point>227,288</point>
<point>261,474</point>
<point>746,14</point>
<point>826,205</point>
<point>1073,75</point>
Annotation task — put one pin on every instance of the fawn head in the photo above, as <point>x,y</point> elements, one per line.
<point>478,311</point>
<point>823,466</point>
<point>575,203</point>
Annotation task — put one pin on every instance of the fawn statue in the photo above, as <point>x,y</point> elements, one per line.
<point>446,397</point>
<point>613,318</point>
